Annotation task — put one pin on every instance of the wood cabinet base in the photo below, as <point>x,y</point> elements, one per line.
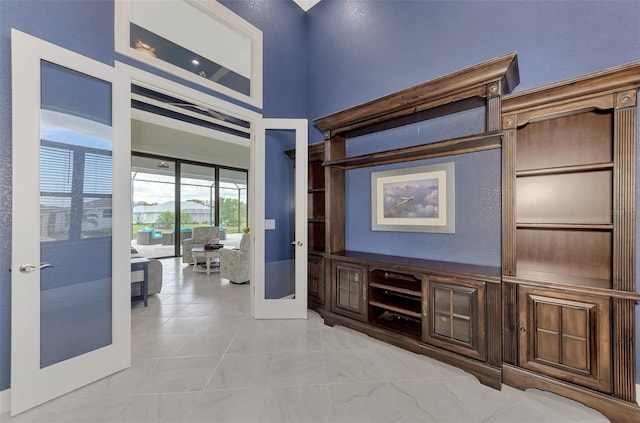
<point>487,375</point>
<point>614,409</point>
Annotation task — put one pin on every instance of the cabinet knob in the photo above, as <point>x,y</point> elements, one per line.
<point>523,329</point>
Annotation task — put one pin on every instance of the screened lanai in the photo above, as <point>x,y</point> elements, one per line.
<point>171,196</point>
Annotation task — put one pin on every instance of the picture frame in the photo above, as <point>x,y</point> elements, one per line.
<point>414,199</point>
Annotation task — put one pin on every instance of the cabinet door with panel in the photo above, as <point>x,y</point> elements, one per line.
<point>349,290</point>
<point>566,336</point>
<point>454,312</point>
<point>316,288</point>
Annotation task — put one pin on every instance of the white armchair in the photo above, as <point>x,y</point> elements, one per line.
<point>201,235</point>
<point>234,264</point>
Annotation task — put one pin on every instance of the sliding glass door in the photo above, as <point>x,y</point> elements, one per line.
<point>162,217</point>
<point>233,201</point>
<point>197,197</point>
<point>153,206</point>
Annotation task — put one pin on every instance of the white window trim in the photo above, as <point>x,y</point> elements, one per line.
<point>165,86</point>
<point>215,9</point>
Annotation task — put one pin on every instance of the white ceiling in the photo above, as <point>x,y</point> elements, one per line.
<point>306,4</point>
<point>164,140</point>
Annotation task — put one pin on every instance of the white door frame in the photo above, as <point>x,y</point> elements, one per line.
<point>126,75</point>
<point>31,385</point>
<point>282,308</point>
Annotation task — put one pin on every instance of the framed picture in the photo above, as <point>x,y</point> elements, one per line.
<point>415,199</point>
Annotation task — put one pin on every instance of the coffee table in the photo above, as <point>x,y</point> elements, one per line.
<point>209,255</point>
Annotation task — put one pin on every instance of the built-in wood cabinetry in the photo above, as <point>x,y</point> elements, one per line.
<point>430,307</point>
<point>446,310</point>
<point>455,315</point>
<point>569,239</point>
<point>566,336</point>
<point>316,287</point>
<point>349,289</point>
<point>316,227</point>
<point>559,313</point>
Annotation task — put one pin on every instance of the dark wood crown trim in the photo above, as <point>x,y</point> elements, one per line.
<point>456,86</point>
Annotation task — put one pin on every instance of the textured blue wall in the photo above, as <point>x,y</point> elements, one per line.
<point>362,50</point>
<point>86,27</point>
<point>285,68</point>
<point>357,51</point>
<point>285,59</point>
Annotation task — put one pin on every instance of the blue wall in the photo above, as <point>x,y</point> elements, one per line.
<point>362,50</point>
<point>86,27</point>
<point>343,53</point>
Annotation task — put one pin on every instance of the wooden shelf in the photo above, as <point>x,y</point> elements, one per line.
<point>450,90</point>
<point>485,141</point>
<point>489,274</point>
<point>316,190</point>
<point>396,309</point>
<point>409,326</point>
<point>563,279</point>
<point>592,287</point>
<point>406,291</point>
<point>315,220</point>
<point>565,169</point>
<point>569,226</point>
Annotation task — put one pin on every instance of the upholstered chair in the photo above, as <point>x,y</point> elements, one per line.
<point>201,235</point>
<point>234,264</point>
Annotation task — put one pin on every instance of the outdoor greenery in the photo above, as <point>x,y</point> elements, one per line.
<point>167,219</point>
<point>229,210</point>
<point>229,214</point>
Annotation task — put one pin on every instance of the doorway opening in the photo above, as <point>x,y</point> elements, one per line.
<point>171,197</point>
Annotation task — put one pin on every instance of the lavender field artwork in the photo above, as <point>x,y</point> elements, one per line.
<point>418,199</point>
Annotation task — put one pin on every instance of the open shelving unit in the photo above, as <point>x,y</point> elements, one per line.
<point>559,315</point>
<point>395,301</point>
<point>569,157</point>
<point>389,297</point>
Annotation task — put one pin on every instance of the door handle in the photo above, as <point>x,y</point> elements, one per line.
<point>28,268</point>
<point>298,243</point>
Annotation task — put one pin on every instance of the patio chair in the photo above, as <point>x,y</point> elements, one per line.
<point>201,235</point>
<point>148,236</point>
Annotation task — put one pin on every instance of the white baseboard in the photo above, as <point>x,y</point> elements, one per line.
<point>5,400</point>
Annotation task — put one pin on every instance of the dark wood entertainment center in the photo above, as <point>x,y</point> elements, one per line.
<point>559,314</point>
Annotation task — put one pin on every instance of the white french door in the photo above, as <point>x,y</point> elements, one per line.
<point>70,305</point>
<point>279,273</point>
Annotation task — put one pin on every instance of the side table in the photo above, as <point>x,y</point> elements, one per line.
<point>140,274</point>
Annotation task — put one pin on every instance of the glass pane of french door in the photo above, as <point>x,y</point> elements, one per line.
<point>280,215</point>
<point>280,219</point>
<point>75,214</point>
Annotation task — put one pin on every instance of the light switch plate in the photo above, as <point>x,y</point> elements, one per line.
<point>269,224</point>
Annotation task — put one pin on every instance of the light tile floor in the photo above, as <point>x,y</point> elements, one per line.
<point>198,356</point>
